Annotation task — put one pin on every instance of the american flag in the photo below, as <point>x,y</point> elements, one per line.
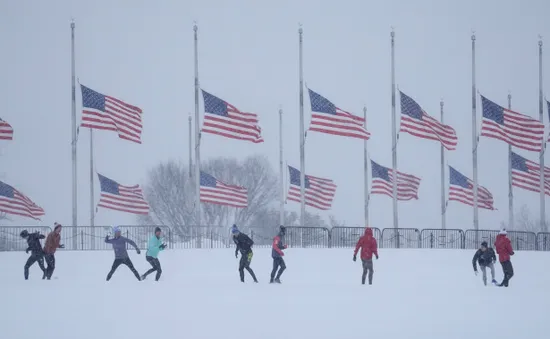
<point>382,183</point>
<point>511,127</point>
<point>526,174</point>
<point>462,189</point>
<point>115,196</point>
<point>224,119</point>
<point>415,121</point>
<point>319,192</point>
<point>14,202</point>
<point>107,113</point>
<point>327,118</point>
<point>214,191</point>
<point>6,131</point>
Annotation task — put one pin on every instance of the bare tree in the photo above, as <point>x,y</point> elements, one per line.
<point>170,192</point>
<point>3,217</point>
<point>524,221</point>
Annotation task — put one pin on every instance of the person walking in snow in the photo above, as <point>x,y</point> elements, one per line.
<point>51,245</point>
<point>154,246</point>
<point>37,254</point>
<point>244,245</point>
<point>121,255</point>
<point>368,247</point>
<point>277,255</point>
<point>504,249</point>
<point>486,258</point>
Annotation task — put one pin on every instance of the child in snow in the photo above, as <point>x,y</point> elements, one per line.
<point>121,255</point>
<point>504,249</point>
<point>368,247</point>
<point>51,245</point>
<point>37,254</point>
<point>154,246</point>
<point>486,257</point>
<point>244,245</point>
<point>277,255</point>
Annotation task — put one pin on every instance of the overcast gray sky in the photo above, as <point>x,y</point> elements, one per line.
<point>142,52</point>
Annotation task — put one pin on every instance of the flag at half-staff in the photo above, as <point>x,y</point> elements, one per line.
<point>6,131</point>
<point>415,121</point>
<point>214,191</point>
<point>526,174</point>
<point>319,192</point>
<point>329,119</point>
<point>382,183</point>
<point>514,128</point>
<point>108,113</point>
<point>224,119</point>
<point>14,202</point>
<point>461,189</point>
<point>122,198</point>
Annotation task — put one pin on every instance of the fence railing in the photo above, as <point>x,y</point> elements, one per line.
<point>93,238</point>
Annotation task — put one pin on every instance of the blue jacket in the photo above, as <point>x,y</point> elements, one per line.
<point>153,246</point>
<point>119,245</point>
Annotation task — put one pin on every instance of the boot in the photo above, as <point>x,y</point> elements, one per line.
<point>277,281</point>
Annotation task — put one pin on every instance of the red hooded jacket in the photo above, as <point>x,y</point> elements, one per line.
<point>368,245</point>
<point>503,245</point>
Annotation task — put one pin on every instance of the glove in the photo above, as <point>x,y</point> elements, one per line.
<point>163,246</point>
<point>512,253</point>
<point>377,257</point>
<point>475,272</point>
<point>61,246</point>
<point>236,254</point>
<point>27,251</point>
<point>354,258</point>
<point>138,251</point>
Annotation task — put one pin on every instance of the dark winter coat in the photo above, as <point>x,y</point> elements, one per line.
<point>119,245</point>
<point>367,244</point>
<point>504,249</point>
<point>484,258</point>
<point>33,240</point>
<point>278,246</point>
<point>244,243</point>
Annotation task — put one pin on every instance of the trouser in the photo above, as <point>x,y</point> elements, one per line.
<point>508,272</point>
<point>156,267</point>
<point>246,259</point>
<point>35,257</point>
<point>125,261</point>
<point>278,264</point>
<point>484,271</point>
<point>368,268</point>
<point>50,260</point>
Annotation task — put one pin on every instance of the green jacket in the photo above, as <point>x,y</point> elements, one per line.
<point>153,247</point>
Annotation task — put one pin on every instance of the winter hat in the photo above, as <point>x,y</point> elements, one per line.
<point>282,229</point>
<point>157,229</point>
<point>56,225</point>
<point>503,231</point>
<point>116,229</point>
<point>484,244</point>
<point>24,233</point>
<point>234,229</point>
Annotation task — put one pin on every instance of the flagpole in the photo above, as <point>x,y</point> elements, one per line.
<point>73,144</point>
<point>366,170</point>
<point>197,135</point>
<point>474,135</point>
<point>302,138</point>
<point>92,214</point>
<point>281,171</point>
<point>541,158</point>
<point>394,136</point>
<point>443,207</point>
<point>190,143</point>
<point>510,188</point>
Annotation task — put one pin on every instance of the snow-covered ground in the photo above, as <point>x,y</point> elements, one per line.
<point>420,294</point>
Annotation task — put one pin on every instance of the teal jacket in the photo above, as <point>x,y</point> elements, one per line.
<point>153,247</point>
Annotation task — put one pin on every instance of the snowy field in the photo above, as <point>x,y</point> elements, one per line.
<point>420,294</point>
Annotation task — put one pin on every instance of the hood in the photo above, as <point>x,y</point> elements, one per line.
<point>368,232</point>
<point>501,236</point>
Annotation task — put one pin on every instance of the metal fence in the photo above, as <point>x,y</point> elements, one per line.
<point>93,238</point>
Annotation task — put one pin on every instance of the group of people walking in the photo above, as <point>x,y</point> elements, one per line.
<point>484,256</point>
